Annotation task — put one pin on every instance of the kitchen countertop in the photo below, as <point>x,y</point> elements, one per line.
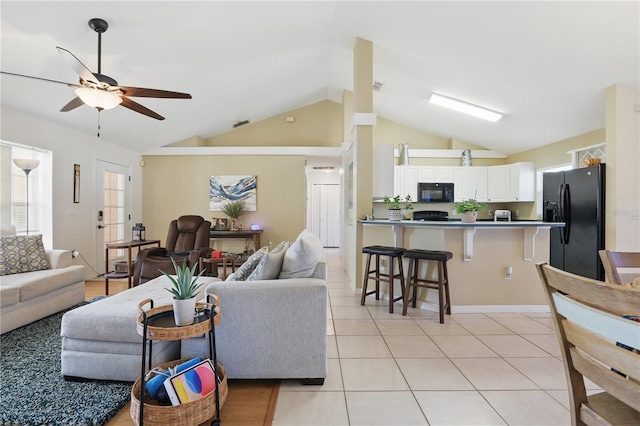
<point>458,224</point>
<point>531,228</point>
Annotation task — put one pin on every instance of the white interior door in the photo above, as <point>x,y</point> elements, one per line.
<point>325,213</point>
<point>112,211</point>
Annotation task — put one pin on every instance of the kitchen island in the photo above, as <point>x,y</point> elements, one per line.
<point>483,253</point>
<point>530,228</point>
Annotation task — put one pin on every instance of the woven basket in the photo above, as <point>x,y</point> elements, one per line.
<point>191,413</point>
<point>175,333</point>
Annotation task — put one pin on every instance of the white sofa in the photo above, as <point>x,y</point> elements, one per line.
<point>29,296</point>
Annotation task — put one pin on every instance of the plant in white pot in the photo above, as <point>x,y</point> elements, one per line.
<point>394,207</point>
<point>185,288</point>
<point>469,209</point>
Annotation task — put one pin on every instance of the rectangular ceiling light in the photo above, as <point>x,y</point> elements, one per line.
<point>465,107</point>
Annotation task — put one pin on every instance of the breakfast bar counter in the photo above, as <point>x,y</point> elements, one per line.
<point>530,230</point>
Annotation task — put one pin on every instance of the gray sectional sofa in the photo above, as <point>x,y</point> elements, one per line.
<point>271,329</point>
<point>273,322</point>
<point>52,284</point>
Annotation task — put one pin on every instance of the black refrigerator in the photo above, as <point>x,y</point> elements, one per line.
<point>576,197</point>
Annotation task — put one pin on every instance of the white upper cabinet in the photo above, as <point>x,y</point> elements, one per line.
<point>511,182</point>
<point>405,182</point>
<point>470,182</point>
<point>522,181</point>
<point>439,174</point>
<point>498,183</point>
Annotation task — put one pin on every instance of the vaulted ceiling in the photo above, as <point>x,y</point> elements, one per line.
<point>544,64</point>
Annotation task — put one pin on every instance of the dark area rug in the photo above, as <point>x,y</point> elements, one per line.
<point>32,390</point>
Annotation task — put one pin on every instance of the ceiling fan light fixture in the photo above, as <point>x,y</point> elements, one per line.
<point>99,99</point>
<point>465,107</point>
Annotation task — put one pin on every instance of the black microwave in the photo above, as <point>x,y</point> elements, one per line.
<point>429,192</point>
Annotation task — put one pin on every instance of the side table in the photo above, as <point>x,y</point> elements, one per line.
<point>158,324</point>
<point>214,261</point>
<point>125,245</point>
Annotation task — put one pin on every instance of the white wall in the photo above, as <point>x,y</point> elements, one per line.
<point>74,225</point>
<point>623,174</point>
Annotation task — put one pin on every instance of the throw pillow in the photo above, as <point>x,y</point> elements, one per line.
<point>22,253</point>
<point>248,266</point>
<point>271,264</point>
<point>301,259</point>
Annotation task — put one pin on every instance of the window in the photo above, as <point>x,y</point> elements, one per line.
<point>26,195</point>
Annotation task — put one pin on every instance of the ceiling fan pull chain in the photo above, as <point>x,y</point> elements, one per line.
<point>98,123</point>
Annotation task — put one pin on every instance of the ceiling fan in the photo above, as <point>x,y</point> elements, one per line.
<point>101,91</point>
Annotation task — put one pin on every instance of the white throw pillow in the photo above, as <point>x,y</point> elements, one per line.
<point>301,259</point>
<point>270,264</point>
<point>248,266</point>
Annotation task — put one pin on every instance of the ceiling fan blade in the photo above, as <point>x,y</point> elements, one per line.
<point>152,93</point>
<point>38,78</point>
<point>80,69</point>
<point>73,104</point>
<point>128,103</point>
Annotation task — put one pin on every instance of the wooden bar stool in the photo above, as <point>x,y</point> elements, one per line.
<point>442,284</point>
<point>375,274</point>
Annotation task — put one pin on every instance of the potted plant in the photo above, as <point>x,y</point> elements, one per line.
<point>234,209</point>
<point>394,207</point>
<point>469,209</point>
<point>185,288</point>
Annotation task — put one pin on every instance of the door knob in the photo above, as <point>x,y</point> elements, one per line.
<point>101,226</point>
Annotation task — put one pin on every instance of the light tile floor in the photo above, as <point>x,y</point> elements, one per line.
<point>386,369</point>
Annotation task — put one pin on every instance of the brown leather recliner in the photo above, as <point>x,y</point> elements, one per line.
<point>187,240</point>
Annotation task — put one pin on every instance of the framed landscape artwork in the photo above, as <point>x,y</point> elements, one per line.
<point>223,189</point>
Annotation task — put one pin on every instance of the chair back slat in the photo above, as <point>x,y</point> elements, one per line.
<point>615,384</point>
<point>612,355</point>
<point>588,316</point>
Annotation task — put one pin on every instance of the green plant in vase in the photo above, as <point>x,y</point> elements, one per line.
<point>469,209</point>
<point>395,208</point>
<point>184,288</point>
<point>235,209</point>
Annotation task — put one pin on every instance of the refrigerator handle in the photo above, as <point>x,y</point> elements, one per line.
<point>567,213</point>
<point>561,213</point>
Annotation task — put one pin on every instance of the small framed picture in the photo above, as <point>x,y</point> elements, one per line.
<point>221,225</point>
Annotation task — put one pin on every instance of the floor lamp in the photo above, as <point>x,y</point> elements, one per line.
<point>26,165</point>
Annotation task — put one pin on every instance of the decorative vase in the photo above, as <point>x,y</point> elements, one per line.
<point>408,214</point>
<point>469,217</point>
<point>184,311</point>
<point>395,214</point>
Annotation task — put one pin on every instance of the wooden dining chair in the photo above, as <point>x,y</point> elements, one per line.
<point>615,262</point>
<point>590,317</point>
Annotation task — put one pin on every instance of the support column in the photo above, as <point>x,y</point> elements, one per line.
<point>362,143</point>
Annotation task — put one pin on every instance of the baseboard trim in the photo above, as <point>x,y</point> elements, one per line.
<point>483,309</point>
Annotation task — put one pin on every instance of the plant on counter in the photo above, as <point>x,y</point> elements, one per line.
<point>395,210</point>
<point>394,203</point>
<point>470,205</point>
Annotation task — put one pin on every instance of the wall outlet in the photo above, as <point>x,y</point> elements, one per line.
<point>517,214</point>
<point>383,265</point>
<point>508,272</point>
<point>491,213</point>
